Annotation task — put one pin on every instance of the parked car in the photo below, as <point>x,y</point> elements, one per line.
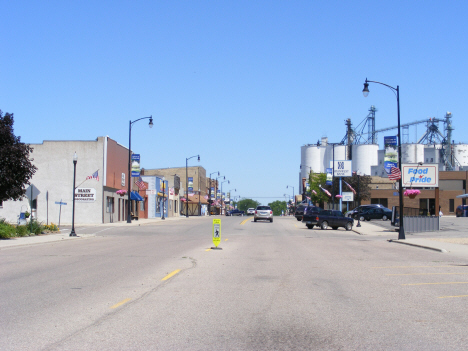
<point>264,213</point>
<point>251,211</point>
<point>329,218</point>
<point>235,212</point>
<point>310,215</point>
<point>300,211</point>
<point>369,213</point>
<point>351,213</point>
<point>462,211</point>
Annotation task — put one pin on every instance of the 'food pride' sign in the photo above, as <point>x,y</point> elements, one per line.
<point>420,176</point>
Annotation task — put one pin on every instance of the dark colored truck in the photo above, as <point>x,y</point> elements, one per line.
<point>300,210</point>
<point>326,218</point>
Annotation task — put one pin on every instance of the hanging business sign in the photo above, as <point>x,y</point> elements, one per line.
<point>391,153</point>
<point>85,195</point>
<point>420,176</point>
<point>135,165</point>
<point>212,193</point>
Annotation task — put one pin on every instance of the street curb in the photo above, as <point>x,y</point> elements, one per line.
<point>416,245</point>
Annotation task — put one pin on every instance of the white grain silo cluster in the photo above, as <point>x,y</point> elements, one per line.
<point>364,157</point>
<point>412,153</point>
<point>460,152</point>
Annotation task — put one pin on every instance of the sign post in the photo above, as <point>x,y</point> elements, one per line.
<point>216,232</point>
<point>60,210</point>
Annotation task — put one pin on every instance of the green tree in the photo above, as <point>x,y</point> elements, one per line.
<point>16,168</point>
<point>317,180</point>
<point>245,204</point>
<point>278,207</point>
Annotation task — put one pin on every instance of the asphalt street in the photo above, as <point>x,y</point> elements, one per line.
<point>270,286</point>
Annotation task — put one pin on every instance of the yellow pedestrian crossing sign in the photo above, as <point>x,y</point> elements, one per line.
<point>216,231</point>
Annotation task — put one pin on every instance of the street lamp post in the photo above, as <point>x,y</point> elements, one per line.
<point>75,160</point>
<point>222,194</point>
<point>217,187</point>
<point>186,183</point>
<point>396,91</point>
<point>294,199</point>
<point>164,198</point>
<point>129,207</point>
<point>209,200</point>
<point>359,195</point>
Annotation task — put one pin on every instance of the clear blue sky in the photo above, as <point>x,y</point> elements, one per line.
<point>242,83</point>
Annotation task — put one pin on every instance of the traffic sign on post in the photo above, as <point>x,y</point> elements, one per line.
<point>216,232</point>
<point>32,192</point>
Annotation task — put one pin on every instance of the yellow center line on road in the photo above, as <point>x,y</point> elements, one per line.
<point>446,297</point>
<point>245,221</point>
<point>171,274</point>
<point>208,250</point>
<point>225,239</point>
<point>120,303</point>
<point>426,273</point>
<point>437,283</point>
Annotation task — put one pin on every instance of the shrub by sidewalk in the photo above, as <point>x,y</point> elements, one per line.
<point>33,228</point>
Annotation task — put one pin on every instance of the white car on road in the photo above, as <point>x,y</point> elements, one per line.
<point>251,211</point>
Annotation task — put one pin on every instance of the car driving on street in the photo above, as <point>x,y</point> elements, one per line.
<point>251,211</point>
<point>263,213</point>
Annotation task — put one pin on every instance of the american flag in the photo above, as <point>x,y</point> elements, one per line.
<point>314,191</point>
<point>350,187</point>
<point>94,175</point>
<point>326,191</point>
<point>140,184</point>
<point>395,173</point>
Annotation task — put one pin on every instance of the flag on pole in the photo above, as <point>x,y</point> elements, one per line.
<point>140,184</point>
<point>314,191</point>
<point>350,187</point>
<point>326,191</point>
<point>94,175</point>
<point>395,173</point>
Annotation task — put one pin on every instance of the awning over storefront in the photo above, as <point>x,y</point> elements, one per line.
<point>135,196</point>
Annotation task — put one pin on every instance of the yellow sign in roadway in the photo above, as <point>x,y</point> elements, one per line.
<point>216,231</point>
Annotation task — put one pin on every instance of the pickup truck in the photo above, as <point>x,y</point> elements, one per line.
<point>327,218</point>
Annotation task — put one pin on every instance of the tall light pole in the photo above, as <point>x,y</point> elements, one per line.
<point>209,200</point>
<point>222,194</point>
<point>164,198</point>
<point>294,199</point>
<point>396,91</point>
<point>186,183</point>
<point>75,160</point>
<point>217,187</point>
<point>358,174</point>
<point>129,207</point>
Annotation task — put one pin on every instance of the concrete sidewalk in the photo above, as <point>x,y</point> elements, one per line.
<point>441,243</point>
<point>64,233</point>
